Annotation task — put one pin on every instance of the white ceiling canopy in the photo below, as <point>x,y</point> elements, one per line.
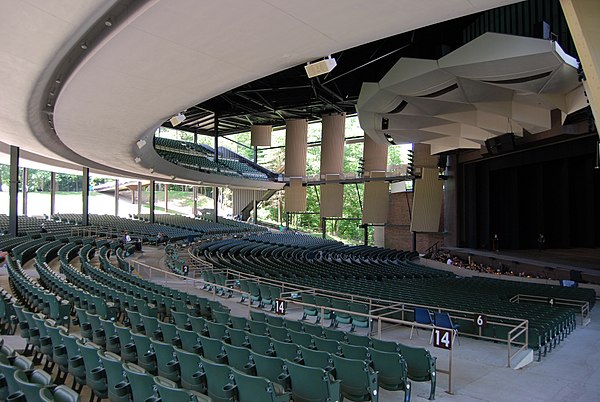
<point>493,85</point>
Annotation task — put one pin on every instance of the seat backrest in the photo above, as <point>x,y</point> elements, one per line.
<point>268,367</point>
<point>189,339</point>
<point>216,330</point>
<point>258,327</point>
<point>384,346</point>
<point>316,358</point>
<point>238,337</point>
<point>238,322</point>
<point>191,370</point>
<point>217,377</point>
<point>251,388</point>
<point>8,366</point>
<point>212,348</point>
<point>258,316</point>
<point>327,345</point>
<point>312,384</point>
<point>359,381</point>
<point>423,316</point>
<point>168,391</point>
<point>336,335</point>
<point>302,338</point>
<point>286,350</point>
<point>391,369</point>
<point>140,380</point>
<point>421,365</point>
<point>113,367</point>
<point>355,352</point>
<point>237,357</point>
<point>260,343</point>
<point>277,332</point>
<point>442,320</point>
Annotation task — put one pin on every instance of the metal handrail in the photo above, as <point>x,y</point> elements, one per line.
<point>584,307</point>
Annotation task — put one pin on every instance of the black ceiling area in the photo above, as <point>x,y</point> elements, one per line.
<point>291,94</point>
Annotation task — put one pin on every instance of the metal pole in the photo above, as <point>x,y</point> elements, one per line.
<point>166,197</point>
<point>255,154</point>
<point>216,203</point>
<point>255,208</point>
<point>414,234</point>
<point>287,220</point>
<point>13,191</point>
<point>366,238</point>
<point>117,197</point>
<point>151,201</point>
<point>52,193</point>
<point>216,155</point>
<point>25,190</point>
<point>195,195</point>
<point>324,225</point>
<point>85,196</point>
<point>139,198</point>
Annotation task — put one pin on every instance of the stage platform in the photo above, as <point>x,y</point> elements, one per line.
<point>579,264</point>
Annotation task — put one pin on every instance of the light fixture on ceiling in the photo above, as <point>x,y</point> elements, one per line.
<point>140,144</point>
<point>320,67</point>
<point>177,119</point>
<point>389,139</point>
<point>151,170</point>
<point>83,45</point>
<point>137,159</point>
<point>108,22</point>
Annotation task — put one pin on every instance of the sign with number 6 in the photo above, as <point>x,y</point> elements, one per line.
<point>480,320</point>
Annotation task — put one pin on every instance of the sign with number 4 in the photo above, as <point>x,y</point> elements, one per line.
<point>442,338</point>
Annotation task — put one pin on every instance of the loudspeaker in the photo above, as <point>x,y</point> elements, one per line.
<point>501,144</point>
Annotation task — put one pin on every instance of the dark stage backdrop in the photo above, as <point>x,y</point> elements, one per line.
<point>552,189</point>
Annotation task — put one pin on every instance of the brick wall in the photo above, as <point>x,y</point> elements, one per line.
<point>397,233</point>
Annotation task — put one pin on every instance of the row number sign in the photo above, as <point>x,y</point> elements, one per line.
<point>480,320</point>
<point>442,338</point>
<point>280,306</point>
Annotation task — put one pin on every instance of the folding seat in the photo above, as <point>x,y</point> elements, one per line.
<point>113,370</point>
<point>293,325</point>
<point>315,330</point>
<point>221,317</point>
<point>169,392</point>
<point>212,349</point>
<point>443,320</point>
<point>316,358</point>
<point>34,335</point>
<point>76,366</point>
<point>198,325</point>
<point>309,311</point>
<point>59,351</point>
<point>392,371</point>
<point>360,321</point>
<point>23,328</point>
<point>335,335</point>
<point>217,331</point>
<point>272,368</point>
<point>341,317</point>
<point>239,338</point>
<point>324,302</point>
<point>128,350</point>
<point>303,339</point>
<point>327,345</point>
<point>8,366</point>
<point>192,376</point>
<point>422,316</point>
<point>167,364</point>
<point>312,384</point>
<point>180,319</point>
<point>421,366</point>
<point>240,358</point>
<point>358,340</point>
<point>284,350</point>
<point>258,316</point>
<point>250,389</point>
<point>93,376</point>
<point>274,320</point>
<point>61,393</point>
<point>384,346</point>
<point>150,324</point>
<point>45,347</point>
<point>255,296</point>
<point>30,382</point>
<point>238,322</point>
<point>355,352</point>
<point>146,358</point>
<point>359,380</point>
<point>279,333</point>
<point>260,344</point>
<point>189,341</point>
<point>219,389</point>
<point>85,328</point>
<point>140,382</point>
<point>168,332</point>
